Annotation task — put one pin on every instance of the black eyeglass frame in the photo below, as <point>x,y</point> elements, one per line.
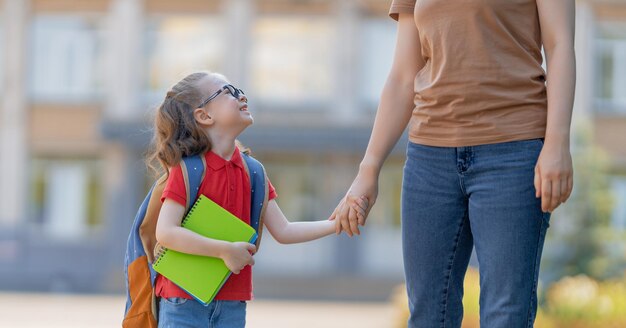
<point>234,91</point>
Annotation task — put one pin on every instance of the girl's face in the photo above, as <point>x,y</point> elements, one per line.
<point>226,105</point>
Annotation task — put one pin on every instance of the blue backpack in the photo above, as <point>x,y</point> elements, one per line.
<point>141,303</point>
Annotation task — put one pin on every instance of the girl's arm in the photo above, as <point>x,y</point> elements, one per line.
<point>171,235</point>
<point>286,232</point>
<point>393,115</point>
<point>554,173</point>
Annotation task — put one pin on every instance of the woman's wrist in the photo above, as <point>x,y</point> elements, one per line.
<point>370,167</point>
<point>558,137</point>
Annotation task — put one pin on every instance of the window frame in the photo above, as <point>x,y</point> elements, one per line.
<point>92,92</point>
<point>93,220</point>
<point>150,96</point>
<point>608,39</point>
<point>318,102</point>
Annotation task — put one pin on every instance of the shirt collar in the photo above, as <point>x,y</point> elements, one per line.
<point>215,162</point>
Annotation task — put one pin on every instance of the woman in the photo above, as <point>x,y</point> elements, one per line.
<point>488,158</point>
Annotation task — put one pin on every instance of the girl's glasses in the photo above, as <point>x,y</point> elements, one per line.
<point>234,91</point>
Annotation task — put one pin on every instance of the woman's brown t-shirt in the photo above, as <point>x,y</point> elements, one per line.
<point>482,82</point>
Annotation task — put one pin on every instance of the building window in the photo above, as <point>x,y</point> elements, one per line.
<point>377,45</point>
<point>291,60</point>
<point>297,189</point>
<point>66,58</point>
<point>177,46</point>
<point>66,197</point>
<point>387,212</point>
<point>611,67</point>
<point>619,207</point>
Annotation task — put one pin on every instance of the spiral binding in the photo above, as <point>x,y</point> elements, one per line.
<point>160,251</point>
<point>190,212</point>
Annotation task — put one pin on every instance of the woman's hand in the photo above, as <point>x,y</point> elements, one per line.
<point>554,175</point>
<point>354,208</point>
<point>237,255</point>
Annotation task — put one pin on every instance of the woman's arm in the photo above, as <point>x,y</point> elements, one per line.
<point>554,173</point>
<point>286,232</point>
<point>171,235</point>
<point>393,115</point>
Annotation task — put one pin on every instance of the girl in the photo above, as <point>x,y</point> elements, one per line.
<point>488,157</point>
<point>204,114</point>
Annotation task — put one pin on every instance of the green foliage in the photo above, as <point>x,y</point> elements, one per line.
<point>580,239</point>
<point>583,302</point>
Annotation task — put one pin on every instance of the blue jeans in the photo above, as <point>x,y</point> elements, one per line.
<point>183,313</point>
<point>481,196</point>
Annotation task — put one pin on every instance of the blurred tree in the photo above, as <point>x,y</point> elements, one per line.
<point>580,240</point>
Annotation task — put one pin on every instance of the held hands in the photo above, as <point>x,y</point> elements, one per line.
<point>354,208</point>
<point>237,255</point>
<point>554,175</point>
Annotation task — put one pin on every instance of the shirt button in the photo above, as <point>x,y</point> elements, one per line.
<point>232,187</point>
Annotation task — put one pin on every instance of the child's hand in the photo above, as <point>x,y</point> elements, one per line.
<point>360,207</point>
<point>238,255</point>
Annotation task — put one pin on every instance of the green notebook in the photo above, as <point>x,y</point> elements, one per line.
<point>201,276</point>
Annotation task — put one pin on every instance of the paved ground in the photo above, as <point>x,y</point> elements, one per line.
<point>22,310</point>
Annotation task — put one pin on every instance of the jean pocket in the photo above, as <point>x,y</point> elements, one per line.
<point>175,300</point>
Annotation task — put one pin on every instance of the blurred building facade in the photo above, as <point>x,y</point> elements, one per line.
<point>80,80</point>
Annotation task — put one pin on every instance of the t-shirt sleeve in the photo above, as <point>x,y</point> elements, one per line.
<point>401,6</point>
<point>271,190</point>
<point>175,187</point>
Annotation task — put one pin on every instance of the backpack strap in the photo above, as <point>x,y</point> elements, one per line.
<point>193,168</point>
<point>259,195</point>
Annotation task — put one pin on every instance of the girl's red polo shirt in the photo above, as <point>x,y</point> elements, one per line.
<point>227,184</point>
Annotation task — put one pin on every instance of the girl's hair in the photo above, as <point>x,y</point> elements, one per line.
<point>177,133</point>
